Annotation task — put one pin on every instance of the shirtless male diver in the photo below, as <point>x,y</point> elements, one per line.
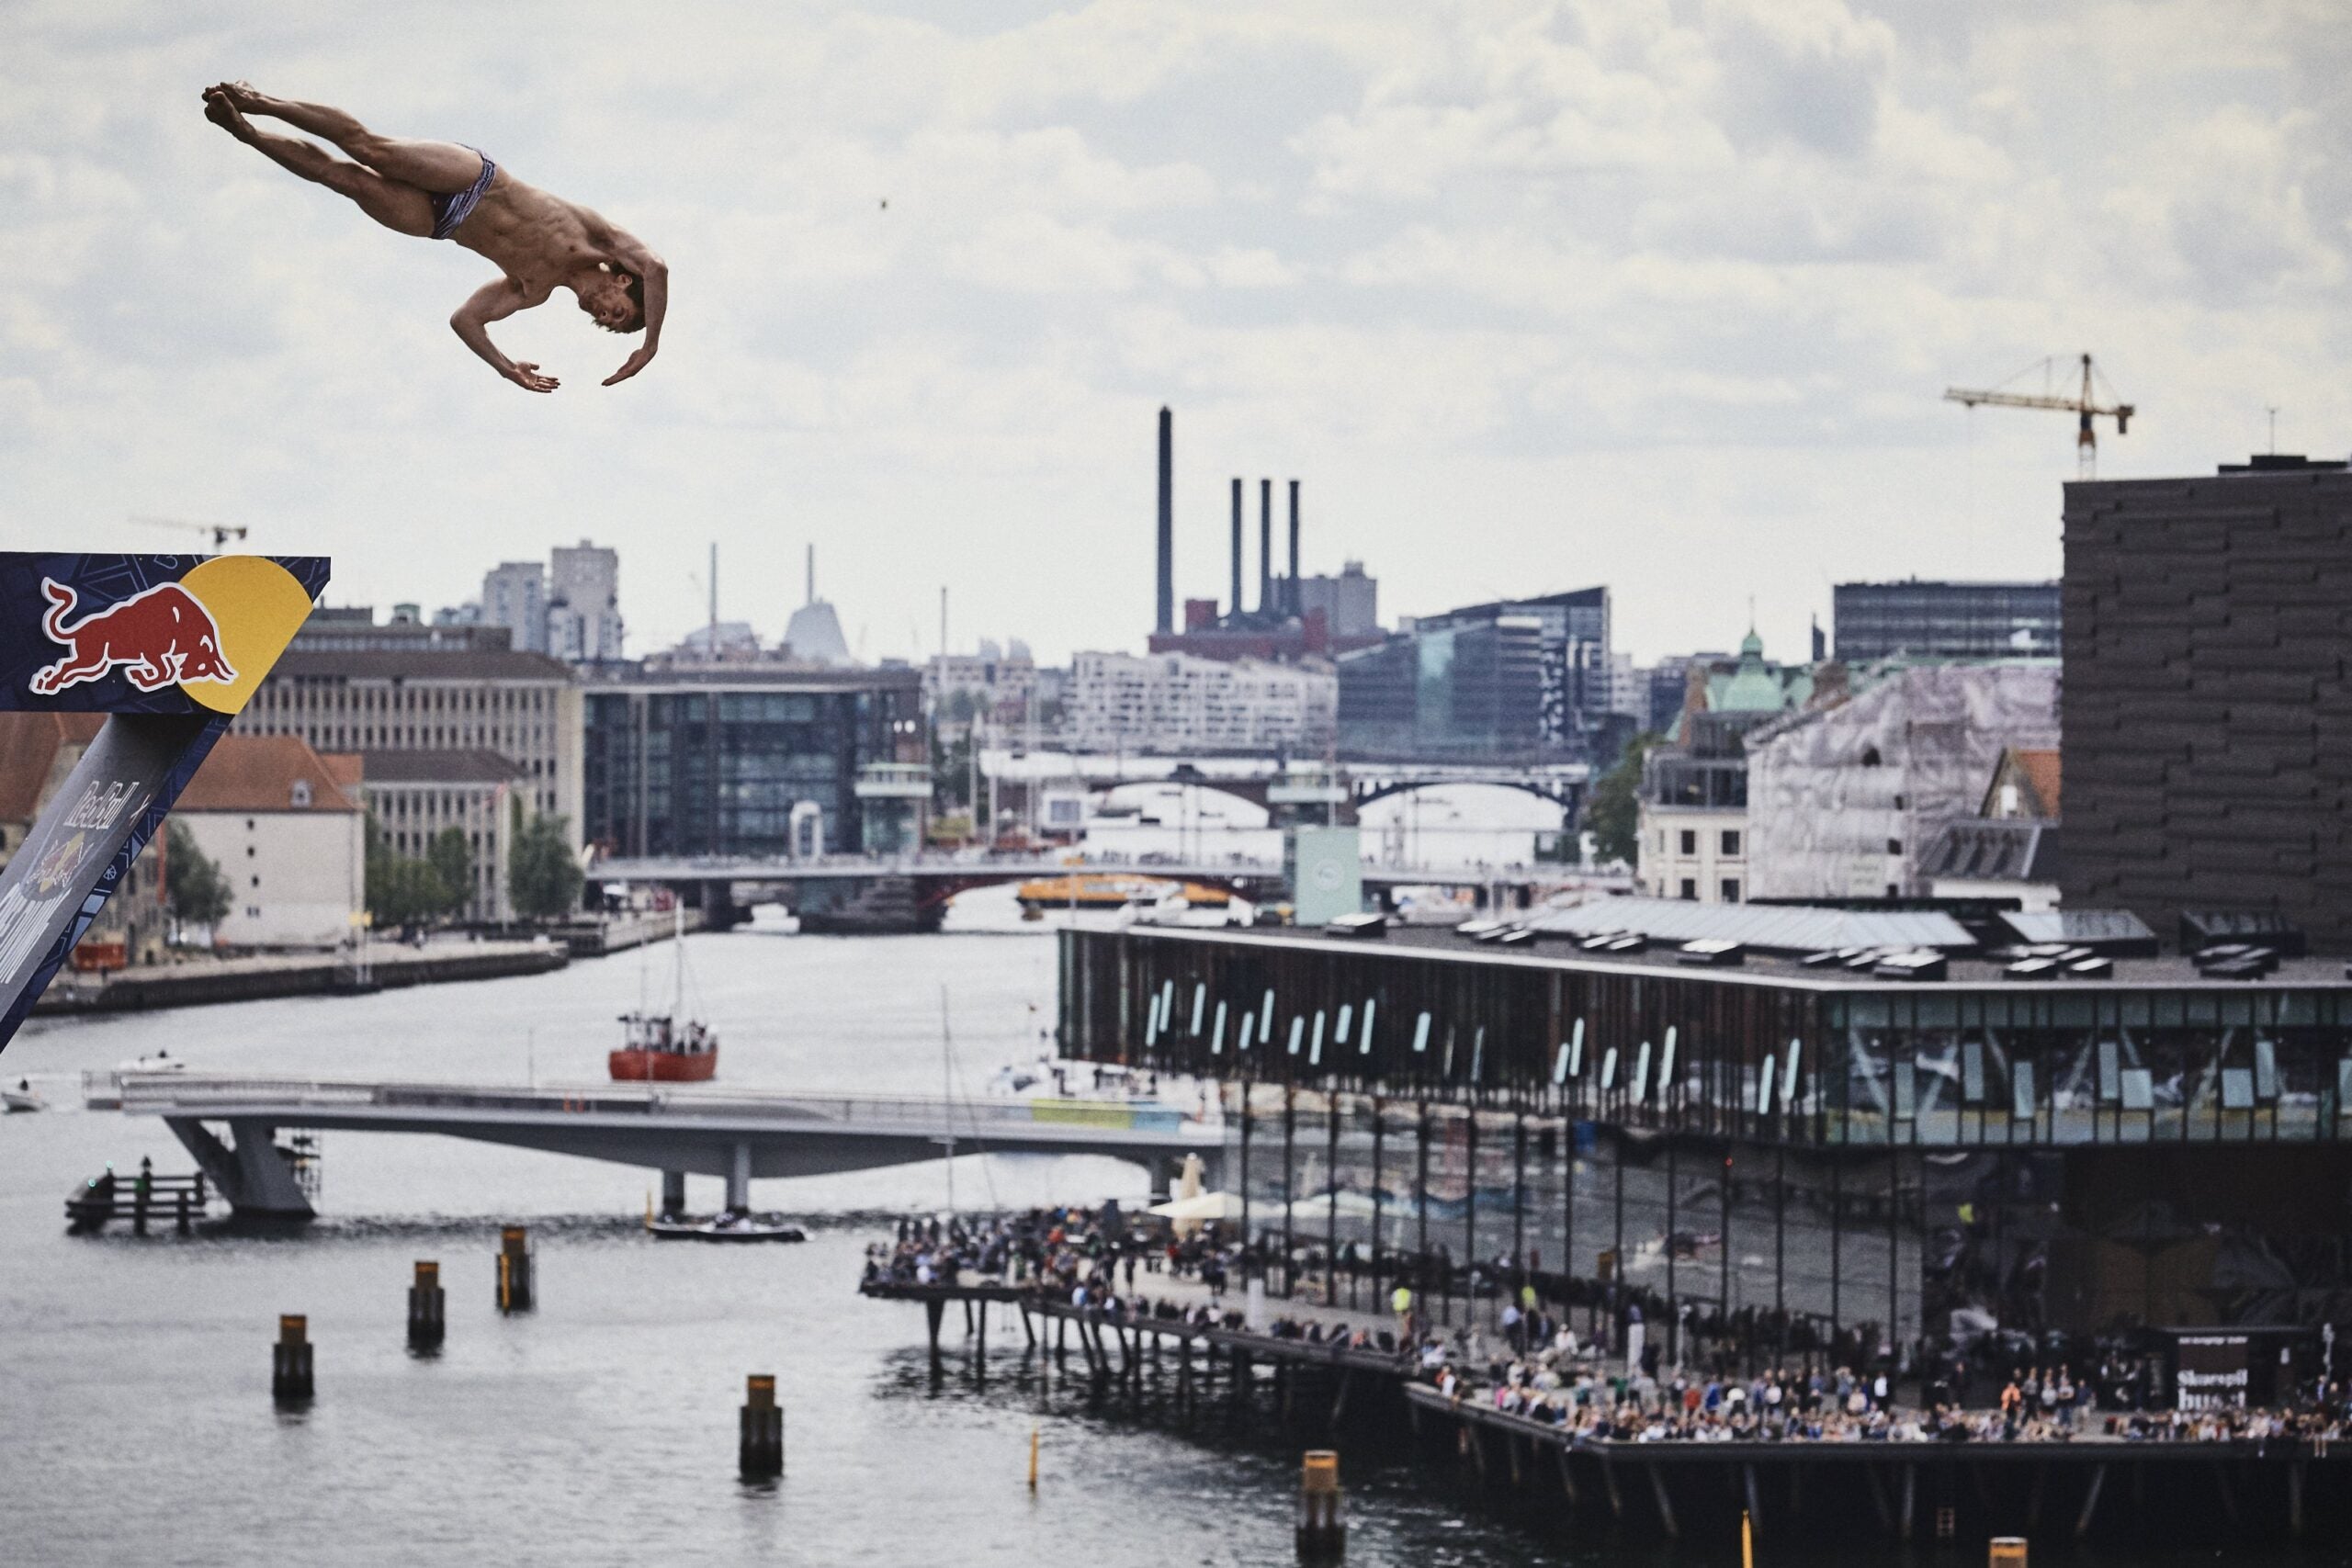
<point>443,191</point>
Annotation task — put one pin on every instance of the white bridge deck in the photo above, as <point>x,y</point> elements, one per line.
<point>708,1130</point>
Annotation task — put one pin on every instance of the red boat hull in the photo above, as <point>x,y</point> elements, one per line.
<point>632,1066</point>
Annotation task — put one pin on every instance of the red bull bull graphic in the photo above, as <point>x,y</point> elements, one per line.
<point>159,638</point>
<point>170,648</point>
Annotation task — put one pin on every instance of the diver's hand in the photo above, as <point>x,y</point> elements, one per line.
<point>527,376</point>
<point>634,362</point>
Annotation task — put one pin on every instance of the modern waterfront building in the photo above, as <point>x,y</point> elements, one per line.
<point>1508,679</point>
<point>523,706</point>
<point>1176,704</point>
<point>1945,620</point>
<point>2209,696</point>
<point>1843,797</point>
<point>1882,1144</point>
<point>756,760</point>
<point>288,834</point>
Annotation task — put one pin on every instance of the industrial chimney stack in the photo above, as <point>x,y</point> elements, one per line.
<point>1266,606</point>
<point>1167,523</point>
<point>1234,607</point>
<point>1290,595</point>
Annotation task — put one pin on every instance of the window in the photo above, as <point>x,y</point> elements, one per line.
<point>1730,844</point>
<point>1870,756</point>
<point>1893,891</point>
<point>1689,840</point>
<point>1691,888</point>
<point>1894,846</point>
<point>1731,889</point>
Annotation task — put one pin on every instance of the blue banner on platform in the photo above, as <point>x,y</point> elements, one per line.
<point>170,646</point>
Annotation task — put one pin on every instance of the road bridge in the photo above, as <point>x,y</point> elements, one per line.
<point>231,1124</point>
<point>857,894</point>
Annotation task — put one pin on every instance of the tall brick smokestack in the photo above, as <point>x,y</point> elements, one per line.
<point>1235,607</point>
<point>1167,621</point>
<point>1266,606</point>
<point>1290,596</point>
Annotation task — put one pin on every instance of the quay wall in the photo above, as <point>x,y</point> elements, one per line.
<point>207,981</point>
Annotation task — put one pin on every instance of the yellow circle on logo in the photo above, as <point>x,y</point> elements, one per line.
<point>256,607</point>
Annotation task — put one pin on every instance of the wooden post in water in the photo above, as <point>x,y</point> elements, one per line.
<point>2008,1552</point>
<point>1322,1534</point>
<point>428,1317</point>
<point>1032,1458</point>
<point>289,1361</point>
<point>760,1447</point>
<point>515,1292</point>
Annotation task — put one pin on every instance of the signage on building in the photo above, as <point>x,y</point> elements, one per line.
<point>2215,1371</point>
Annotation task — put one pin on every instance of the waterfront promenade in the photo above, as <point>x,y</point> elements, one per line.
<point>1550,1414</point>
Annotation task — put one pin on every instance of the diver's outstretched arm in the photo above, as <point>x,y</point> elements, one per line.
<point>496,302</point>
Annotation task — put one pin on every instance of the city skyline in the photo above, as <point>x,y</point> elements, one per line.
<point>1654,321</point>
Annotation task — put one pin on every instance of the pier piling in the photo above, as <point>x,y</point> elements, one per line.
<point>760,1446</point>
<point>1322,1534</point>
<point>289,1361</point>
<point>427,1301</point>
<point>2007,1551</point>
<point>515,1292</point>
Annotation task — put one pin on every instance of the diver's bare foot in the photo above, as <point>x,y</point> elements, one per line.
<point>222,113</point>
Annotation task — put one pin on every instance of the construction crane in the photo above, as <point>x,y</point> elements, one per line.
<point>222,531</point>
<point>2086,405</point>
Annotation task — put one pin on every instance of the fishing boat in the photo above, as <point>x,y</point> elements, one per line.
<point>666,1047</point>
<point>1114,890</point>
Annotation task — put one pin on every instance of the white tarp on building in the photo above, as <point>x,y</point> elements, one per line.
<point>1842,800</point>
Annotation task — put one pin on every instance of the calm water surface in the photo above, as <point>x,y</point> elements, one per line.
<point>135,1419</point>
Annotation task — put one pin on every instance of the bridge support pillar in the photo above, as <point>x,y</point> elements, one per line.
<point>250,1172</point>
<point>738,1182</point>
<point>674,1193</point>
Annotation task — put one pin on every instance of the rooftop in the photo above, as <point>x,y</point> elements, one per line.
<point>264,773</point>
<point>454,766</point>
<point>1967,971</point>
<point>419,664</point>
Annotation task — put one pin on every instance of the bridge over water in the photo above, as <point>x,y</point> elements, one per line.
<point>231,1124</point>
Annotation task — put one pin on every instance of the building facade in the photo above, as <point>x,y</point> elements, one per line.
<point>289,839</point>
<point>2209,696</point>
<point>1846,1154</point>
<point>415,796</point>
<point>1843,799</point>
<point>1508,679</point>
<point>757,762</point>
<point>514,595</point>
<point>1349,604</point>
<point>1946,620</point>
<point>523,706</point>
<point>1692,808</point>
<point>1176,704</point>
<point>583,614</point>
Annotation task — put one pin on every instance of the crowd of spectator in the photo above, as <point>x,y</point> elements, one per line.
<point>1609,1385</point>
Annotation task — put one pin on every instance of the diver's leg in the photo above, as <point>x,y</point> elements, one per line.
<point>399,206</point>
<point>443,167</point>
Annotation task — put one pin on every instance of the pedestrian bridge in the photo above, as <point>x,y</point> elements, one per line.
<point>230,1122</point>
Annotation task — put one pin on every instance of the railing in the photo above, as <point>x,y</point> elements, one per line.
<point>174,1094</point>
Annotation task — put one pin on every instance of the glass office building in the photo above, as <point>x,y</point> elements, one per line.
<point>1817,1145</point>
<point>745,763</point>
<point>1946,620</point>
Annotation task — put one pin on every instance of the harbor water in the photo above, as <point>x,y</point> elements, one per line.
<point>135,1419</point>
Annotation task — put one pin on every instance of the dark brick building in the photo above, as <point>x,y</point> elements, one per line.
<point>2208,704</point>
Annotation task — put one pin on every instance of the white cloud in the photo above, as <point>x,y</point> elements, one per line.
<point>1636,292</point>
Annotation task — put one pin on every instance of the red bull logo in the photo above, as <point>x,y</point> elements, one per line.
<point>158,638</point>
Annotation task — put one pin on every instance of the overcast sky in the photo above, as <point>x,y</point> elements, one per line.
<point>1659,296</point>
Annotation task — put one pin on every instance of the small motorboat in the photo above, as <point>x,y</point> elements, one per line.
<point>24,1097</point>
<point>729,1226</point>
<point>161,1061</point>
